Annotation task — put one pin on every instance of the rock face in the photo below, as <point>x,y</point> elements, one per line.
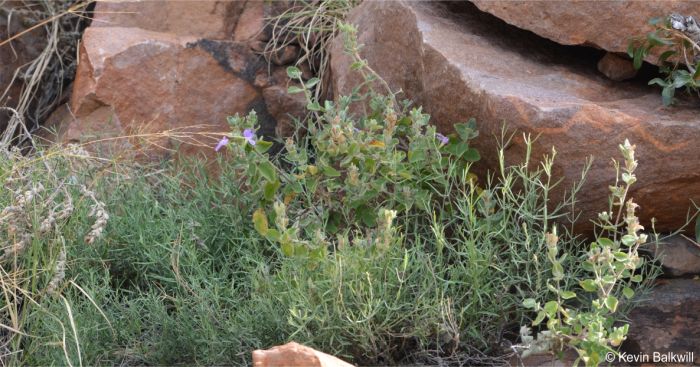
<point>459,63</point>
<point>166,69</point>
<point>668,323</point>
<point>608,25</point>
<point>617,68</point>
<point>679,256</point>
<point>15,54</point>
<point>295,355</point>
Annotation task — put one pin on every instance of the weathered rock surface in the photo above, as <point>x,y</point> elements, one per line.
<point>668,322</point>
<point>608,25</point>
<point>459,63</point>
<point>205,19</point>
<point>15,54</point>
<point>177,67</point>
<point>295,355</point>
<point>616,67</point>
<point>679,256</point>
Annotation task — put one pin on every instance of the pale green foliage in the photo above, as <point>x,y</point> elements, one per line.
<point>46,204</point>
<point>332,185</point>
<point>679,59</point>
<point>592,326</point>
<point>368,238</point>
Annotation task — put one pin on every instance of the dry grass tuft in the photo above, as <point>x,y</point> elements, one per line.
<point>311,25</point>
<point>44,79</point>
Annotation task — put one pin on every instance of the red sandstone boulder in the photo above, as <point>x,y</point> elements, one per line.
<point>459,63</point>
<point>667,324</point>
<point>616,67</point>
<point>171,72</point>
<point>608,25</point>
<point>295,355</point>
<point>202,19</point>
<point>679,256</point>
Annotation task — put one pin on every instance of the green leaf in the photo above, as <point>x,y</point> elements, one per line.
<point>628,240</point>
<point>658,81</point>
<point>539,318</point>
<point>667,95</point>
<point>272,235</point>
<point>665,55</point>
<point>697,229</point>
<point>330,171</point>
<point>313,106</point>
<point>366,215</point>
<point>567,294</point>
<point>630,49</point>
<point>295,186</point>
<point>611,303</point>
<point>628,292</point>
<point>471,155</point>
<point>557,270</point>
<point>606,242</point>
<point>293,72</point>
<point>654,40</point>
<point>551,308</point>
<point>416,155</point>
<point>260,221</point>
<point>457,148</point>
<point>293,89</point>
<point>471,124</point>
<point>263,146</point>
<point>620,256</point>
<point>681,79</point>
<point>357,65</point>
<point>464,131</point>
<point>588,285</point>
<point>287,249</point>
<point>637,278</point>
<point>333,223</point>
<point>311,82</point>
<point>530,303</point>
<point>638,57</point>
<point>270,189</point>
<point>267,170</point>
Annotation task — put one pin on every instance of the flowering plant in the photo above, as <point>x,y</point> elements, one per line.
<point>345,179</point>
<point>613,261</point>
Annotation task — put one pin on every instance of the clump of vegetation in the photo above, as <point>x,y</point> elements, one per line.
<point>311,26</point>
<point>48,205</point>
<point>348,182</point>
<point>591,325</point>
<point>368,238</point>
<point>677,38</point>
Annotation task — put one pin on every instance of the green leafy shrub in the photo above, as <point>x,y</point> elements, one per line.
<point>448,294</point>
<point>344,173</point>
<point>368,238</point>
<point>591,325</point>
<point>679,57</point>
<point>331,203</point>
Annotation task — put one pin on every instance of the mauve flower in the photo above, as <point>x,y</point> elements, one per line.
<point>249,136</point>
<point>221,144</point>
<point>443,139</point>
